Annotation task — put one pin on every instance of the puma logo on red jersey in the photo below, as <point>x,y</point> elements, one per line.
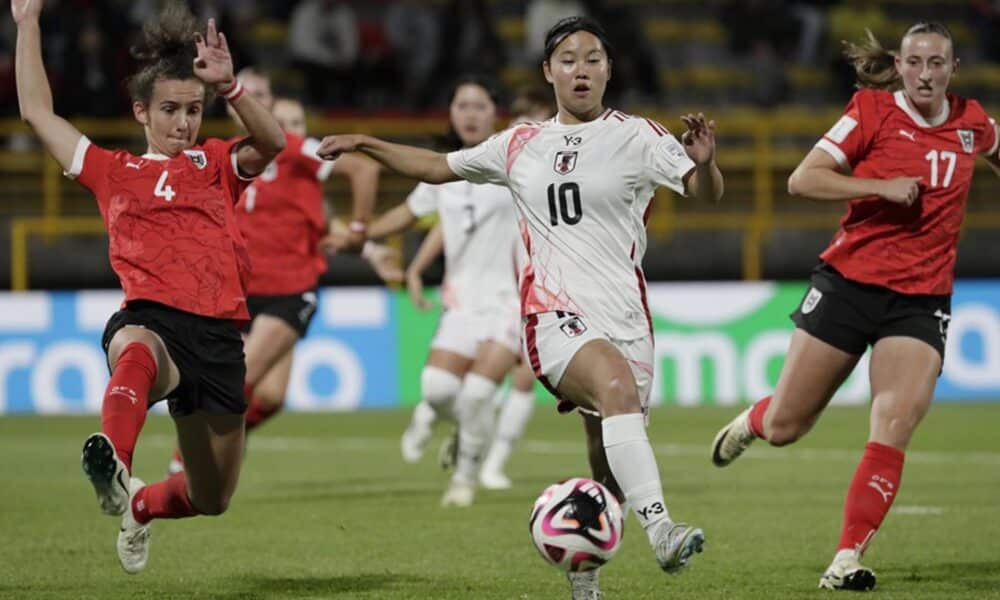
<point>908,134</point>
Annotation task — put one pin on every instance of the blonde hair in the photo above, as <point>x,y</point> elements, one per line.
<point>875,65</point>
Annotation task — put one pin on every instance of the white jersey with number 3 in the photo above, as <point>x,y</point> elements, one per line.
<point>583,192</point>
<point>479,225</point>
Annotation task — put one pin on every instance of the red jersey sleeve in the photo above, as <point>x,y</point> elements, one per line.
<point>990,139</point>
<point>224,151</point>
<point>91,166</point>
<point>850,137</point>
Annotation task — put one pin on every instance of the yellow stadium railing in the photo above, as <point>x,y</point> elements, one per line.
<point>753,143</point>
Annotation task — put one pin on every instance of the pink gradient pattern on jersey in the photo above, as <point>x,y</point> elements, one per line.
<point>522,135</point>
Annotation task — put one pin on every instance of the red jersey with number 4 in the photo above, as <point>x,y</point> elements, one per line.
<point>281,217</point>
<point>171,225</point>
<point>909,249</point>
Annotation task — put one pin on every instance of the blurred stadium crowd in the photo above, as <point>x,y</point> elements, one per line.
<point>400,55</point>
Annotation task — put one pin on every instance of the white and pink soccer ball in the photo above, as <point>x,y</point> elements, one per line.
<point>576,525</point>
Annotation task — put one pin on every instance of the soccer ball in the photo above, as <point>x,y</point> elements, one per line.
<point>576,525</point>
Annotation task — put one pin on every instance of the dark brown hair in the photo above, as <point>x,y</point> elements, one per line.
<point>532,98</point>
<point>875,65</point>
<point>166,51</point>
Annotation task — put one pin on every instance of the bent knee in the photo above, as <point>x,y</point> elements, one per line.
<point>784,432</point>
<point>211,505</point>
<point>438,386</point>
<point>618,396</point>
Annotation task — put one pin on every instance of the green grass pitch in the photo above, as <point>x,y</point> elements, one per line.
<point>327,509</point>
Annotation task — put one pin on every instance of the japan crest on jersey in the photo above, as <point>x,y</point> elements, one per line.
<point>968,139</point>
<point>565,161</point>
<point>197,157</point>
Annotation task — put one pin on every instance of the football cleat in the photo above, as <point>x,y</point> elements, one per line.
<point>846,573</point>
<point>675,544</point>
<point>133,538</point>
<point>494,480</point>
<point>732,440</point>
<point>106,472</point>
<point>583,585</point>
<point>413,442</point>
<point>448,454</point>
<point>460,493</point>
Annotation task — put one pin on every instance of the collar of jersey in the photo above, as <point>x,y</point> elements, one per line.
<point>919,118</point>
<point>155,156</point>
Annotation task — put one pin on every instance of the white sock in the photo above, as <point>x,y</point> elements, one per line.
<point>423,417</point>
<point>474,409</point>
<point>513,419</point>
<point>631,459</point>
<point>438,388</point>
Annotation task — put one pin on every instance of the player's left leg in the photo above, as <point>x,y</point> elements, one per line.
<point>271,340</point>
<point>474,409</point>
<point>514,415</point>
<point>903,375</point>
<point>212,446</point>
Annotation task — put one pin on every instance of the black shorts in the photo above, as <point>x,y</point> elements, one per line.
<point>295,309</point>
<point>208,353</point>
<point>851,315</point>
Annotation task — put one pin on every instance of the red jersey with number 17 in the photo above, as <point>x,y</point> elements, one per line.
<point>282,219</point>
<point>908,249</point>
<point>171,225</point>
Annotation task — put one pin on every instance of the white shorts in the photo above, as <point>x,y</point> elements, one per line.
<point>461,331</point>
<point>552,339</point>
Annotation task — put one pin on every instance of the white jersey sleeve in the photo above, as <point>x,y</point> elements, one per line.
<point>487,162</point>
<point>423,200</point>
<point>667,163</point>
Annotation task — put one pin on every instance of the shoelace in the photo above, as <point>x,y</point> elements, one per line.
<point>137,539</point>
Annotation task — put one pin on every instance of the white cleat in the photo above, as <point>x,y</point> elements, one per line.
<point>846,573</point>
<point>732,440</point>
<point>413,442</point>
<point>460,493</point>
<point>494,480</point>
<point>106,473</point>
<point>133,538</point>
<point>675,544</point>
<point>584,585</point>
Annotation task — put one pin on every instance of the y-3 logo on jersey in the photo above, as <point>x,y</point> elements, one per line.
<point>573,140</point>
<point>565,161</point>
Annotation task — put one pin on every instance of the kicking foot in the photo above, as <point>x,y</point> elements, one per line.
<point>675,544</point>
<point>732,440</point>
<point>107,473</point>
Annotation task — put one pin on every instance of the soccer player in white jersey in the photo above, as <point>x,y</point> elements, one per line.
<point>532,104</point>
<point>582,183</point>
<point>478,339</point>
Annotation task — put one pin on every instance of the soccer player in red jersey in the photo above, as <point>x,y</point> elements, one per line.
<point>282,218</point>
<point>181,261</point>
<point>903,156</point>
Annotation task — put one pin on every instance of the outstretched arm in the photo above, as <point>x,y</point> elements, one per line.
<point>393,221</point>
<point>363,176</point>
<point>994,158</point>
<point>214,66</point>
<point>425,165</point>
<point>430,249</point>
<point>34,96</point>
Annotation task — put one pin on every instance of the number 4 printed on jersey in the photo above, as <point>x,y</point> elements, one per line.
<point>164,191</point>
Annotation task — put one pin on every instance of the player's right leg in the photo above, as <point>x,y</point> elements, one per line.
<point>141,373</point>
<point>812,372</point>
<point>452,351</point>
<point>513,419</point>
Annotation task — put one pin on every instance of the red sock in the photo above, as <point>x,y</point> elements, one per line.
<point>757,416</point>
<point>126,399</point>
<point>874,487</point>
<point>167,499</point>
<point>258,412</point>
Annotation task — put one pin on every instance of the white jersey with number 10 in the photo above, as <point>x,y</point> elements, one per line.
<point>583,193</point>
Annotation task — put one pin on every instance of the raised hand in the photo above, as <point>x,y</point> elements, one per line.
<point>214,64</point>
<point>699,139</point>
<point>901,190</point>
<point>25,10</point>
<point>333,146</point>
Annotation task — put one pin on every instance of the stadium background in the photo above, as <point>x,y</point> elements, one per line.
<point>766,70</point>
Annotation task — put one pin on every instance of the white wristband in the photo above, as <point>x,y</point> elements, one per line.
<point>234,91</point>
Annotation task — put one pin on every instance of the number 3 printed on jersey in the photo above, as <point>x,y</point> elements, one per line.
<point>162,190</point>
